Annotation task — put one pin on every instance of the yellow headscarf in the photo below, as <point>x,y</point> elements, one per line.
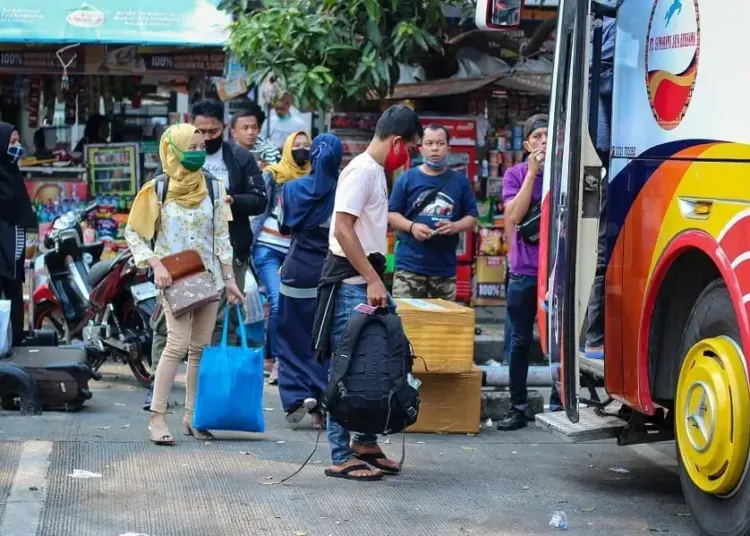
<point>287,169</point>
<point>186,188</point>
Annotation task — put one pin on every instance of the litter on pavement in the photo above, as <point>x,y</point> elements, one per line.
<point>80,473</point>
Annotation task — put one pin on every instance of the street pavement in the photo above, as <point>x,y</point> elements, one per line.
<point>490,484</point>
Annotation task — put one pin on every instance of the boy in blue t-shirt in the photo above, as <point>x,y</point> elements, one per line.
<point>429,206</point>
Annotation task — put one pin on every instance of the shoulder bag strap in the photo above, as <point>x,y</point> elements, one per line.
<point>343,356</point>
<point>429,198</point>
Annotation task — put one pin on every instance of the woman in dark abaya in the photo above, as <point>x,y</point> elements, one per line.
<point>306,206</point>
<point>16,216</point>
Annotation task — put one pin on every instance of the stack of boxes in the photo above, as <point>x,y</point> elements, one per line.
<point>442,334</point>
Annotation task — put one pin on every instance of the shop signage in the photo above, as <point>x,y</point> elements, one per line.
<point>37,61</point>
<point>186,62</point>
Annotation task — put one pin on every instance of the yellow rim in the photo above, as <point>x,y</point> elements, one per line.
<point>711,415</point>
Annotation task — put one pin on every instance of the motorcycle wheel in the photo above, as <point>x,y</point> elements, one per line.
<point>134,320</point>
<point>48,314</point>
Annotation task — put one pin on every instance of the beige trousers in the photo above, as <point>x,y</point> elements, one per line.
<point>189,333</point>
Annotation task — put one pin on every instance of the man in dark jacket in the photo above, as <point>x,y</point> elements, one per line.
<point>236,167</point>
<point>246,194</point>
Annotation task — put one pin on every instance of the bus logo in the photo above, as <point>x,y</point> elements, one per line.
<point>672,54</point>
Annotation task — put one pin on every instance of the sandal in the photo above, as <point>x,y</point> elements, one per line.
<point>203,435</point>
<point>160,435</point>
<point>188,430</point>
<point>373,459</point>
<point>346,473</point>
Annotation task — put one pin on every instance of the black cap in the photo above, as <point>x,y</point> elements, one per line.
<point>534,122</point>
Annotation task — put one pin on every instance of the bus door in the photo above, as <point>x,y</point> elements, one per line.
<point>563,170</point>
<point>573,175</point>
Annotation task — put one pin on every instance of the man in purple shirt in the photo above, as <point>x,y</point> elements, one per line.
<point>522,191</point>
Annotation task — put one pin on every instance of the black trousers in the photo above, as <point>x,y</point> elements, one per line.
<point>12,289</point>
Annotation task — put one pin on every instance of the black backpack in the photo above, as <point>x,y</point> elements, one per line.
<point>369,390</point>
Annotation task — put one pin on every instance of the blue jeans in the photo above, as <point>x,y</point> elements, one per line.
<point>267,262</point>
<point>521,308</point>
<point>347,298</point>
<point>507,328</point>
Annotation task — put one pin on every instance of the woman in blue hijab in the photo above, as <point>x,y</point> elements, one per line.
<point>306,206</point>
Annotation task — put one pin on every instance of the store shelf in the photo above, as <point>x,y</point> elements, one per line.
<point>52,169</point>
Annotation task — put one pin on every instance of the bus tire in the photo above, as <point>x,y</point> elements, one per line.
<point>711,347</point>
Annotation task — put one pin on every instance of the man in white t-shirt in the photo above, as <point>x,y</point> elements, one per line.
<point>356,260</point>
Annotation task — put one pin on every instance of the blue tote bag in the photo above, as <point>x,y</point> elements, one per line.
<point>230,385</point>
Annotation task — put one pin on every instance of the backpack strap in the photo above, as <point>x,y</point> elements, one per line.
<point>397,342</point>
<point>343,354</point>
<point>212,183</point>
<point>161,185</point>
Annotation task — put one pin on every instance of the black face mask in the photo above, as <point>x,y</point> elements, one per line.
<point>214,145</point>
<point>301,156</point>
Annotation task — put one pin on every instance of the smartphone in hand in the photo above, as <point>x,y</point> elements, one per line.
<point>365,308</point>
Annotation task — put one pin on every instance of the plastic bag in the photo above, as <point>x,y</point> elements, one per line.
<point>230,385</point>
<point>559,520</point>
<point>253,300</point>
<point>6,328</point>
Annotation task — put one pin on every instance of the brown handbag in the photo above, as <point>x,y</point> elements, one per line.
<point>183,264</point>
<point>192,285</point>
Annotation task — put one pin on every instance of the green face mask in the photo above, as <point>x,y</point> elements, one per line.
<point>190,160</point>
<point>193,160</point>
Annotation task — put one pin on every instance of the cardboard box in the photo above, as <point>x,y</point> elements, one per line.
<point>441,332</point>
<point>449,403</point>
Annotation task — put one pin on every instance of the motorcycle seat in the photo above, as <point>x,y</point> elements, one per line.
<point>98,271</point>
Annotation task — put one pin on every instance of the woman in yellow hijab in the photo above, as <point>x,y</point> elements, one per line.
<point>270,247</point>
<point>187,219</point>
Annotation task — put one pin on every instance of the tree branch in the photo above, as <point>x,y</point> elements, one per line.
<point>539,37</point>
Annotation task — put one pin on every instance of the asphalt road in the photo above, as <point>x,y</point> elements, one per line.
<point>491,484</point>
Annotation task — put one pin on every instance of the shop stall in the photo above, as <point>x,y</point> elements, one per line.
<point>91,101</point>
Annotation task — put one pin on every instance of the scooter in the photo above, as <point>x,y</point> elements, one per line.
<point>107,306</point>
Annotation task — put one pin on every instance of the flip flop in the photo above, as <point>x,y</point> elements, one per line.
<point>372,459</point>
<point>346,473</point>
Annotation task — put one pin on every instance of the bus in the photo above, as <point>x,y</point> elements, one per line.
<point>677,283</point>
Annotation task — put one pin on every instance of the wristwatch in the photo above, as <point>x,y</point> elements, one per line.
<point>227,277</point>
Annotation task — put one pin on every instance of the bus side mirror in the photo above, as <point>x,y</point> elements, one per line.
<point>498,14</point>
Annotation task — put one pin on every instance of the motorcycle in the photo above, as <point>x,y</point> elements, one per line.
<point>106,304</point>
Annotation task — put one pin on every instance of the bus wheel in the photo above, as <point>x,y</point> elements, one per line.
<point>712,416</point>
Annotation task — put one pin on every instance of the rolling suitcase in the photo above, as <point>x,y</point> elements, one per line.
<point>61,376</point>
<point>41,375</point>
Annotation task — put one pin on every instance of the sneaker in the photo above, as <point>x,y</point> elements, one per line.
<point>514,420</point>
<point>298,413</point>
<point>593,352</point>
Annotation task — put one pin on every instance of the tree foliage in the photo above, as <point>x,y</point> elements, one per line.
<point>331,51</point>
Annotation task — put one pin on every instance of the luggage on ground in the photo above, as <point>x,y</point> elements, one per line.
<point>368,390</point>
<point>61,375</point>
<point>230,385</point>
